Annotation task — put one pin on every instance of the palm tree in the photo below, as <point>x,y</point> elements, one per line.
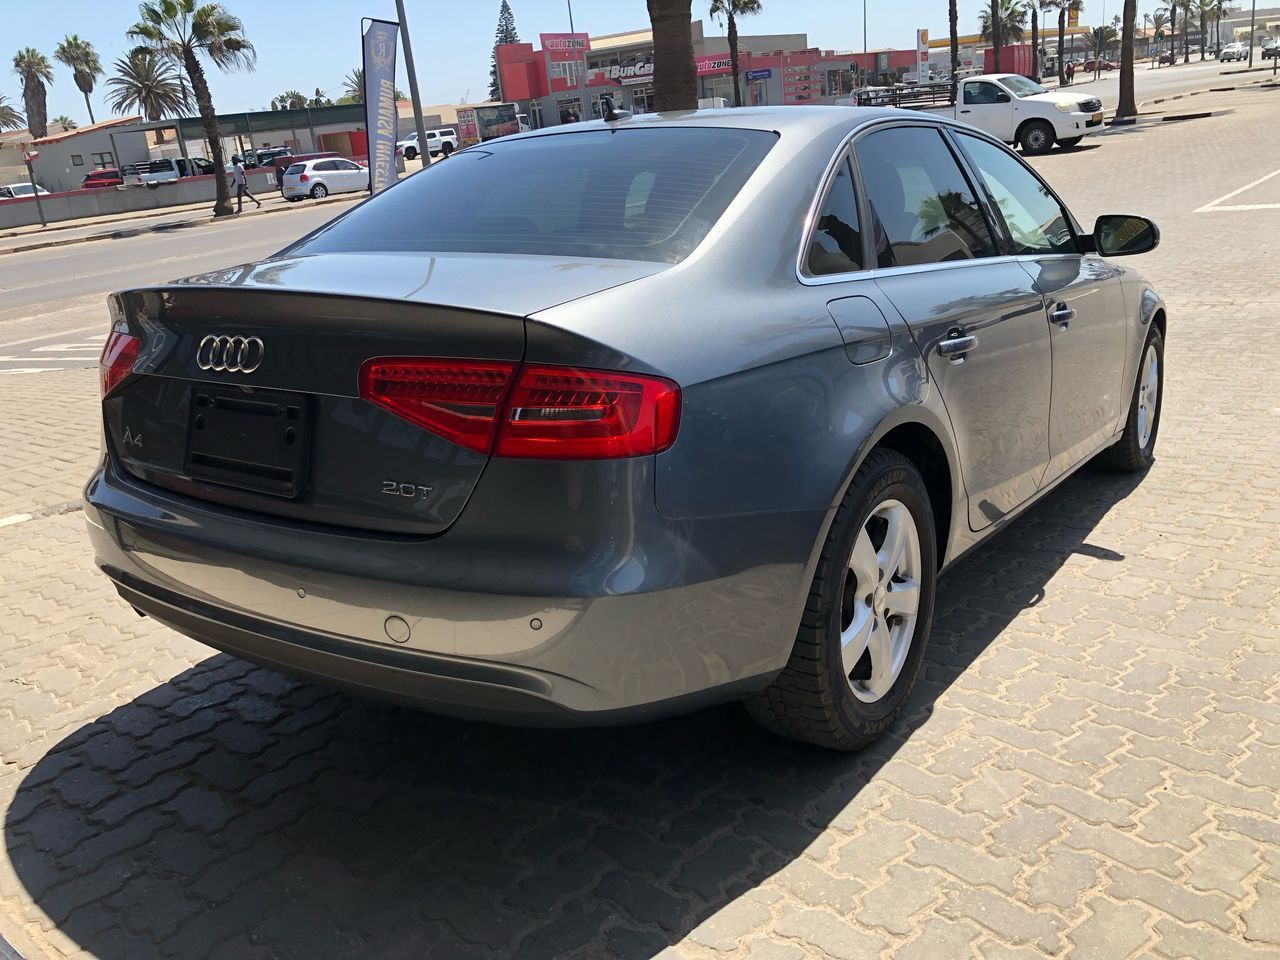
<point>10,119</point>
<point>1011,18</point>
<point>1186,7</point>
<point>1158,21</point>
<point>1127,107</point>
<point>674,75</point>
<point>731,10</point>
<point>289,100</point>
<point>353,86</point>
<point>147,84</point>
<point>33,68</point>
<point>80,56</point>
<point>1099,39</point>
<point>1034,7</point>
<point>319,100</point>
<point>184,32</point>
<point>65,122</point>
<point>1173,31</point>
<point>953,17</point>
<point>1064,8</point>
<point>1204,8</point>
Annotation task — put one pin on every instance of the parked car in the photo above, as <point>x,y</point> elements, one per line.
<point>153,172</point>
<point>15,191</point>
<point>410,148</point>
<point>106,177</point>
<point>1234,51</point>
<point>319,178</point>
<point>1168,58</point>
<point>476,445</point>
<point>1091,65</point>
<point>265,156</point>
<point>1270,50</point>
<point>1018,110</point>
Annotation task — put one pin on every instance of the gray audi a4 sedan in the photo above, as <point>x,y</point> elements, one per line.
<point>616,419</point>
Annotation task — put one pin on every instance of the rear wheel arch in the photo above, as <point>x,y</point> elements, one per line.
<point>919,444</point>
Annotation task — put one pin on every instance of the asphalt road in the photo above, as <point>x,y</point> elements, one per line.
<point>53,312</point>
<point>1150,83</point>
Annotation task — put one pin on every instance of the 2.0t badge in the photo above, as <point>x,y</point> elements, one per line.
<point>230,354</point>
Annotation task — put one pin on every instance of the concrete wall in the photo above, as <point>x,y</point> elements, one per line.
<point>107,201</point>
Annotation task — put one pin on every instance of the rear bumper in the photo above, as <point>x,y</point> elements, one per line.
<point>636,630</point>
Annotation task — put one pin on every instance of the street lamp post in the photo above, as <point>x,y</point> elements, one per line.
<point>35,191</point>
<point>1253,16</point>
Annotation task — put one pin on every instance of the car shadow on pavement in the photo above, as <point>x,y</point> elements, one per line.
<point>234,812</point>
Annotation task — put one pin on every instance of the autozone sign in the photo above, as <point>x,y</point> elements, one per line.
<point>713,63</point>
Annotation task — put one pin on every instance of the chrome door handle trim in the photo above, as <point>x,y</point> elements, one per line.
<point>955,346</point>
<point>1062,316</point>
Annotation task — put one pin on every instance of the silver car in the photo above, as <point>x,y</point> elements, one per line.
<point>657,412</point>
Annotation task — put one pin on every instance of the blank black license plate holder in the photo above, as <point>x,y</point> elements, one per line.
<point>255,440</point>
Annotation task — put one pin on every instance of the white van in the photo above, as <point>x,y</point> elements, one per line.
<point>166,168</point>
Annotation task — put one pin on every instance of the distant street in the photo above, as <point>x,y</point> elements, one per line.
<point>1150,82</point>
<point>54,309</point>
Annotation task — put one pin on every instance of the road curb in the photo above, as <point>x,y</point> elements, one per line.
<point>1171,118</point>
<point>1196,93</point>
<point>127,232</point>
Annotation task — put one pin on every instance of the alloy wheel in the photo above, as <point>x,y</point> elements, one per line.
<point>1148,395</point>
<point>881,601</point>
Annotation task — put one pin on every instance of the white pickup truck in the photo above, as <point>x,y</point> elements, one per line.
<point>1018,110</point>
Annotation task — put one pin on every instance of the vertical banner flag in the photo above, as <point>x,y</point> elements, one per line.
<point>380,101</point>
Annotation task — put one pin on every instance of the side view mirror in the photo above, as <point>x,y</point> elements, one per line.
<point>1003,98</point>
<point>1121,235</point>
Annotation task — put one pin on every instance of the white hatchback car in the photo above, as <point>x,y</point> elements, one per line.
<point>319,178</point>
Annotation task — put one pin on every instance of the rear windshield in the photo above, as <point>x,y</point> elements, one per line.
<point>296,168</point>
<point>629,194</point>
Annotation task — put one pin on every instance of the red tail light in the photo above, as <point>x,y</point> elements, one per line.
<point>303,178</point>
<point>568,414</point>
<point>457,399</point>
<point>118,356</point>
<point>559,413</point>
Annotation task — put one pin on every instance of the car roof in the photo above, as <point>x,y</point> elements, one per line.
<point>795,120</point>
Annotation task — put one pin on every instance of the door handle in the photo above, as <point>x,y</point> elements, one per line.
<point>955,348</point>
<point>1062,315</point>
<point>966,111</point>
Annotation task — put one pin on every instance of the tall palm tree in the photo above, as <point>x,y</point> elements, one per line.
<point>290,100</point>
<point>1009,23</point>
<point>1159,20</point>
<point>147,84</point>
<point>34,69</point>
<point>1034,7</point>
<point>1186,7</point>
<point>80,56</point>
<point>353,86</point>
<point>10,119</point>
<point>1127,106</point>
<point>185,32</point>
<point>1065,8</point>
<point>319,100</point>
<point>1204,9</point>
<point>1173,30</point>
<point>953,17</point>
<point>731,10</point>
<point>675,79</point>
<point>65,122</point>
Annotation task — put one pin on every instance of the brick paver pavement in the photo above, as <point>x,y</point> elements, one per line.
<point>1089,766</point>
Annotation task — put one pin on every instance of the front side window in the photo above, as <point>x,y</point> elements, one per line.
<point>624,194</point>
<point>925,209</point>
<point>981,91</point>
<point>1037,223</point>
<point>836,243</point>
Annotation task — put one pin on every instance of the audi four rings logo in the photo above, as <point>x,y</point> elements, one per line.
<point>230,354</point>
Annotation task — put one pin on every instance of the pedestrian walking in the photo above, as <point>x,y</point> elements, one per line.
<point>280,165</point>
<point>241,183</point>
<point>1071,71</point>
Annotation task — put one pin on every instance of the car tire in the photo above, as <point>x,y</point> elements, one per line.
<point>410,153</point>
<point>1036,138</point>
<point>1069,142</point>
<point>1135,450</point>
<point>825,695</point>
<point>319,191</point>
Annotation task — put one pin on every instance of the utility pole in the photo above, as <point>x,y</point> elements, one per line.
<point>582,73</point>
<point>1253,16</point>
<point>864,43</point>
<point>419,124</point>
<point>35,191</point>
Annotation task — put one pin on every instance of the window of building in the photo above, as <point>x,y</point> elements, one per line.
<point>77,160</point>
<point>103,160</point>
<point>925,209</point>
<point>718,86</point>
<point>566,70</point>
<point>836,243</point>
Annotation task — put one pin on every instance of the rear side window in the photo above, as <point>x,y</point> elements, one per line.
<point>296,169</point>
<point>324,165</point>
<point>836,243</point>
<point>925,209</point>
<point>623,194</point>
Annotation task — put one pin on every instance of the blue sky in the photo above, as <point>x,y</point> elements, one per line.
<point>305,44</point>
